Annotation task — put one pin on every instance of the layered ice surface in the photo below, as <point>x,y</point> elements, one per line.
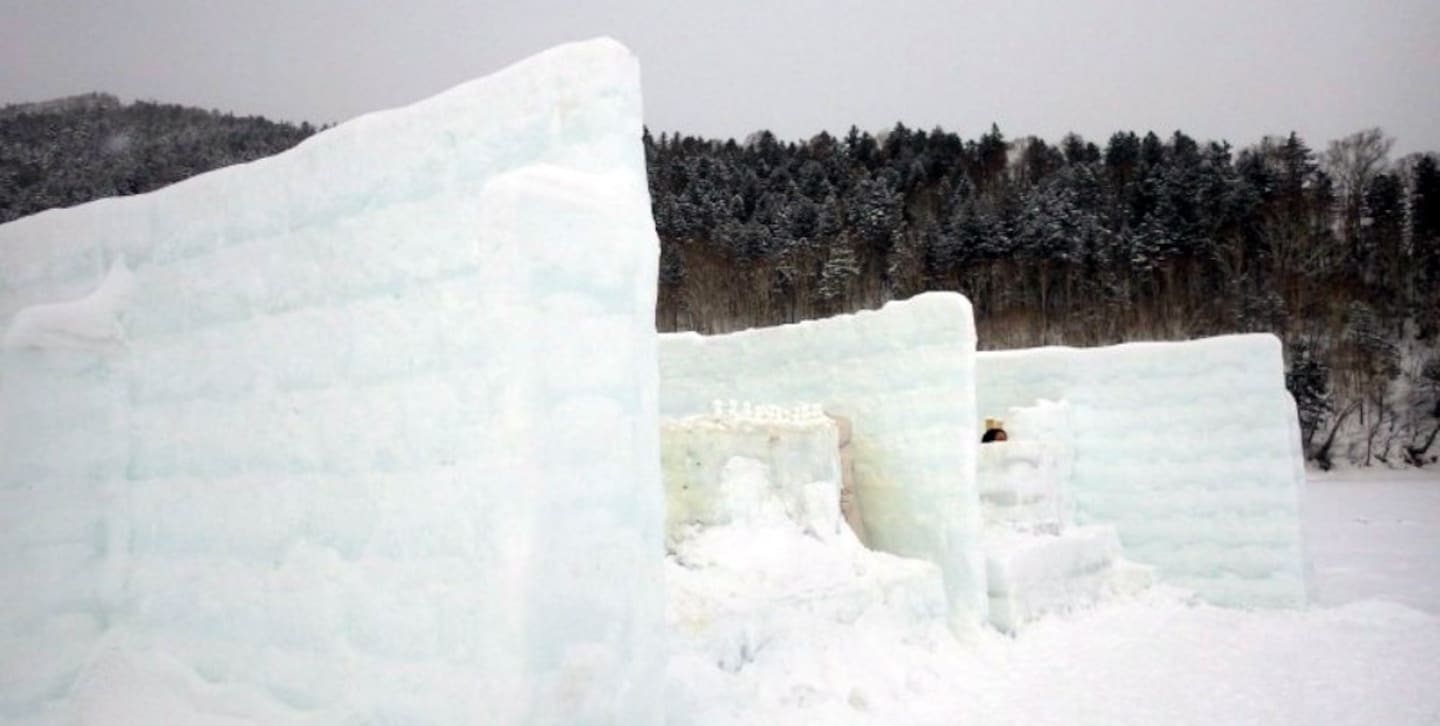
<point>1021,485</point>
<point>369,437</point>
<point>1190,450</point>
<point>904,377</point>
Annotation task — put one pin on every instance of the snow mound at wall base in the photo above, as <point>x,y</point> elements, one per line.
<point>1032,575</point>
<point>771,615</point>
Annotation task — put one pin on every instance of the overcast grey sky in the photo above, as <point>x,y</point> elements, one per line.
<point>1232,69</point>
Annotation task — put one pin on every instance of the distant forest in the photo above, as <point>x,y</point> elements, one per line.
<point>1337,251</point>
<point>72,150</point>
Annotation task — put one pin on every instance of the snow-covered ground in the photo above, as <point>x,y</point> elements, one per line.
<point>1367,653</point>
<point>1375,535</point>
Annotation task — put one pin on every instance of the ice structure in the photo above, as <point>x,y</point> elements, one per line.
<point>1189,449</point>
<point>904,376</point>
<point>372,438</point>
<point>1037,560</point>
<point>776,612</point>
<point>798,446</point>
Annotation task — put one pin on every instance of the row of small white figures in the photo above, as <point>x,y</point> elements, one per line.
<point>798,413</point>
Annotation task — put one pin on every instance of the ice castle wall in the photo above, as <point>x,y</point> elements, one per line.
<point>1191,449</point>
<point>904,376</point>
<point>381,443</point>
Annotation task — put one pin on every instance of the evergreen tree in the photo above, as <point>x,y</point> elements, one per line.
<point>1308,380</point>
<point>1424,214</point>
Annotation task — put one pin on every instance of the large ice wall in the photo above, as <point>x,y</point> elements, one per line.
<point>904,377</point>
<point>1190,449</point>
<point>379,442</point>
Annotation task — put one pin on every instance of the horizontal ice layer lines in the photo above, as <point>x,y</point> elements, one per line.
<point>1189,449</point>
<point>380,445</point>
<point>1021,485</point>
<point>61,461</point>
<point>903,376</point>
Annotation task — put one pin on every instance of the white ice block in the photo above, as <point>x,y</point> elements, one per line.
<point>1031,575</point>
<point>374,440</point>
<point>1020,485</point>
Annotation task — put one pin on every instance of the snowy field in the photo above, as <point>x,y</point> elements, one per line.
<point>1375,536</point>
<point>1367,653</point>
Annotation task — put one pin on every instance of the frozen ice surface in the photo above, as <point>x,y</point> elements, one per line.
<point>1189,449</point>
<point>904,376</point>
<point>380,443</point>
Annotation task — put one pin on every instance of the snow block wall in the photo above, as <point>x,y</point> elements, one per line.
<point>904,376</point>
<point>1190,449</point>
<point>799,449</point>
<point>1020,485</point>
<point>380,444</point>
